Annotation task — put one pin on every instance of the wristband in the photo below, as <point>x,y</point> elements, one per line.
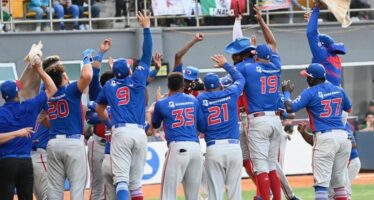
<point>99,56</point>
<point>287,95</point>
<point>87,60</point>
<point>153,73</point>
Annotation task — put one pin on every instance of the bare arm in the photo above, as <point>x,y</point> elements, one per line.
<point>148,118</point>
<point>268,35</point>
<point>87,72</point>
<point>179,55</point>
<point>307,136</point>
<point>102,112</point>
<point>50,87</point>
<point>104,47</point>
<point>25,132</point>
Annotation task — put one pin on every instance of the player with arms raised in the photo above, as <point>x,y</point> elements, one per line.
<point>126,96</point>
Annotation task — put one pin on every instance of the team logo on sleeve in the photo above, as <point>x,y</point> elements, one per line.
<point>205,102</point>
<point>171,104</point>
<point>140,68</point>
<point>258,69</point>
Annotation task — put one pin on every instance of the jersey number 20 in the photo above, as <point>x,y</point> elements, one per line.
<point>58,109</point>
<point>180,120</point>
<point>269,84</point>
<point>123,95</point>
<point>215,113</point>
<point>328,109</point>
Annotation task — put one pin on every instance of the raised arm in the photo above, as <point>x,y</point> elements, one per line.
<point>147,43</point>
<point>237,29</point>
<point>235,74</point>
<point>87,72</point>
<point>179,55</point>
<point>94,87</point>
<point>157,62</point>
<point>318,52</point>
<point>268,35</point>
<point>50,87</point>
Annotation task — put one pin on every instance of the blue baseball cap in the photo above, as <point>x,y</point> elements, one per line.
<point>211,81</point>
<point>263,51</point>
<point>338,48</point>
<point>239,45</point>
<point>314,70</point>
<point>121,68</point>
<point>326,40</point>
<point>190,73</point>
<point>9,89</point>
<point>226,81</point>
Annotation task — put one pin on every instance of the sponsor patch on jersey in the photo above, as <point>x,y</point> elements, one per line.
<point>171,104</point>
<point>205,102</point>
<point>259,69</point>
<point>113,83</point>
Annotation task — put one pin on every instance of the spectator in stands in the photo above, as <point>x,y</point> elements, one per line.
<point>83,7</point>
<point>41,8</point>
<point>66,7</point>
<point>359,4</point>
<point>369,122</point>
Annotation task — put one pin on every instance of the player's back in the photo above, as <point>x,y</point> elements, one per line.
<point>179,113</point>
<point>65,111</point>
<point>126,100</point>
<point>261,87</point>
<point>325,107</point>
<point>220,110</point>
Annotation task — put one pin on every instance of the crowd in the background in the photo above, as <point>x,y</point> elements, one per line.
<point>78,9</point>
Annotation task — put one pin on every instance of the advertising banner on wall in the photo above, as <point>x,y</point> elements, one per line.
<point>222,7</point>
<point>273,4</point>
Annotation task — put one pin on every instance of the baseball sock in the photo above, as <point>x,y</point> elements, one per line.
<point>137,194</point>
<point>275,185</point>
<point>122,191</point>
<point>248,167</point>
<point>320,193</point>
<point>263,184</point>
<point>340,193</point>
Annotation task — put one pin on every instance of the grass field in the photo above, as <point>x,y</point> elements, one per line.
<point>360,192</point>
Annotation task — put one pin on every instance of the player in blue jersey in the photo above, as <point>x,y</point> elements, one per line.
<point>16,171</point>
<point>126,96</point>
<point>265,129</point>
<point>180,114</point>
<point>223,158</point>
<point>324,49</point>
<point>191,81</point>
<point>66,149</point>
<point>324,103</point>
<point>96,143</point>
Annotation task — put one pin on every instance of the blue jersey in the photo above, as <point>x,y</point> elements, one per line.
<point>15,116</point>
<point>65,111</point>
<point>354,151</point>
<point>41,136</point>
<point>127,97</point>
<point>180,114</point>
<point>330,61</point>
<point>94,87</point>
<point>262,84</point>
<point>220,109</point>
<point>324,103</point>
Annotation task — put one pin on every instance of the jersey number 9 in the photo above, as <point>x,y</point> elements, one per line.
<point>123,95</point>
<point>180,120</point>
<point>60,106</point>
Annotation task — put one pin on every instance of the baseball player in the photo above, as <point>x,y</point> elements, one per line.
<point>126,96</point>
<point>66,149</point>
<point>180,114</point>
<point>190,74</point>
<point>223,159</point>
<point>96,143</point>
<point>354,163</point>
<point>16,122</point>
<point>324,103</point>
<point>324,49</point>
<point>262,81</point>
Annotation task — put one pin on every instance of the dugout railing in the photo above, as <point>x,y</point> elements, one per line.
<point>131,16</point>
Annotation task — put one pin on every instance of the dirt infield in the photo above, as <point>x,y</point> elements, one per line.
<point>153,191</point>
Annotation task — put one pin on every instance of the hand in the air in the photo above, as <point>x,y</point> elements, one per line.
<point>287,85</point>
<point>307,16</point>
<point>143,19</point>
<point>199,37</point>
<point>105,45</point>
<point>219,59</point>
<point>157,60</point>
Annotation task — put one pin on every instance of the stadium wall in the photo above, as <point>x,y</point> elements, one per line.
<point>291,40</point>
